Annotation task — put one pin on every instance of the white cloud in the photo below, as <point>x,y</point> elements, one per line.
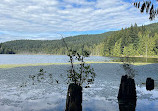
<point>52,16</point>
<point>79,2</point>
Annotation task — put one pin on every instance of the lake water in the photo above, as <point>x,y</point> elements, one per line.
<point>32,59</point>
<point>43,96</point>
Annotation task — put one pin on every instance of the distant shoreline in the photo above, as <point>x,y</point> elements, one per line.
<point>90,55</point>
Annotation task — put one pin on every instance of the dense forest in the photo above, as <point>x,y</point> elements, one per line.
<point>5,50</point>
<point>56,46</point>
<point>132,41</point>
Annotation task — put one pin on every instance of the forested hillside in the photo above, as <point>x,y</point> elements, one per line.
<point>56,46</point>
<point>5,50</point>
<point>133,41</point>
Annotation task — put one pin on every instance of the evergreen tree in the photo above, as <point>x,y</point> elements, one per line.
<point>117,48</point>
<point>129,50</point>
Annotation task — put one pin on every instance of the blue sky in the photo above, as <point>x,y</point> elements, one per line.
<point>45,19</point>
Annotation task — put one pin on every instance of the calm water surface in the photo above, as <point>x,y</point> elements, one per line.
<point>31,59</point>
<point>101,96</point>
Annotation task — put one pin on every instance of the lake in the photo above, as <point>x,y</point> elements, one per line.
<point>18,94</point>
<point>32,59</point>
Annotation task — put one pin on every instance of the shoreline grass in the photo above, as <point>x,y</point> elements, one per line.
<point>90,55</point>
<point>26,65</point>
<point>47,64</point>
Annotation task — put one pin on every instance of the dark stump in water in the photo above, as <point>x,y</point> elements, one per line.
<point>127,89</point>
<point>127,94</point>
<point>127,105</point>
<point>74,98</point>
<point>149,84</point>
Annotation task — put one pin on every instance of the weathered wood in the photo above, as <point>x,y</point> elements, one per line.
<point>127,88</point>
<point>149,84</point>
<point>74,98</point>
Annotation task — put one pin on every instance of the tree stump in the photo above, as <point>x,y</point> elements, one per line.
<point>149,84</point>
<point>127,89</point>
<point>74,98</point>
<point>127,105</point>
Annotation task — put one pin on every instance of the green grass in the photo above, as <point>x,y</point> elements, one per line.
<point>137,63</point>
<point>25,65</point>
<point>47,64</point>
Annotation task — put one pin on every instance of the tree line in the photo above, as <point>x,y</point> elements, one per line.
<point>132,41</point>
<point>5,50</point>
<point>56,47</point>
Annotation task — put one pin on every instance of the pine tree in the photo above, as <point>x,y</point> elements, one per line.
<point>117,48</point>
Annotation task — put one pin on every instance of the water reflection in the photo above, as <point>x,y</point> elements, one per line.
<point>101,96</point>
<point>135,59</point>
<point>127,97</point>
<point>127,105</point>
